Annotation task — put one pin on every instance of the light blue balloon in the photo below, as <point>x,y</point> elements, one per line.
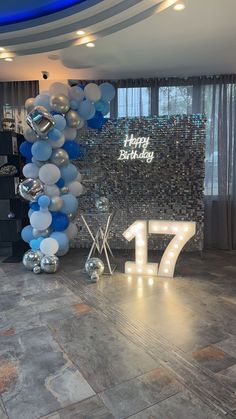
<point>74,105</point>
<point>60,122</point>
<point>41,150</point>
<point>64,251</point>
<point>70,204</point>
<point>86,109</point>
<point>102,106</point>
<point>69,172</point>
<point>108,91</point>
<point>44,201</point>
<point>63,242</point>
<point>43,100</point>
<point>27,233</point>
<point>30,212</point>
<point>54,134</point>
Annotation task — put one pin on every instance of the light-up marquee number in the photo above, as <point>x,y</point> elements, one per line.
<point>138,230</point>
<point>183,231</point>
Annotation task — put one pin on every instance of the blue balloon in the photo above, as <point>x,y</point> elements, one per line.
<point>34,206</point>
<point>54,134</point>
<point>60,221</point>
<point>97,121</point>
<point>73,149</point>
<point>41,150</point>
<point>62,241</point>
<point>102,106</point>
<point>44,201</point>
<point>30,212</point>
<point>86,109</point>
<point>60,183</point>
<point>70,204</point>
<point>27,234</point>
<point>43,100</point>
<point>69,172</point>
<point>108,91</point>
<point>25,149</point>
<point>74,105</point>
<point>60,122</point>
<point>35,243</point>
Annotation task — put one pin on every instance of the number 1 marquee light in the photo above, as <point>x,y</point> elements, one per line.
<point>183,231</point>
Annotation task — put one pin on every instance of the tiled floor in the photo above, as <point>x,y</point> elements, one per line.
<point>132,346</point>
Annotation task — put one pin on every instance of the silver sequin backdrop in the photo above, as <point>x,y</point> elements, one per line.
<point>170,187</point>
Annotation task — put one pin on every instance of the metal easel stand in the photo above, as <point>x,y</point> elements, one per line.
<point>100,241</point>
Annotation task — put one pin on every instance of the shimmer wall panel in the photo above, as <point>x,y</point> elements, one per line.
<point>148,168</point>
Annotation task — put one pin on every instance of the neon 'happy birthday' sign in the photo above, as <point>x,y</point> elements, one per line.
<point>136,148</point>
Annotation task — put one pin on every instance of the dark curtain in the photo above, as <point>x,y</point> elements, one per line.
<point>15,93</point>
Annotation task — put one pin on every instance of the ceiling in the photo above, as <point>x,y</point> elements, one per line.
<point>141,38</point>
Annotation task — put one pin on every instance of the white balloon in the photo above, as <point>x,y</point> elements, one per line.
<point>92,92</point>
<point>40,219</point>
<point>70,133</point>
<point>49,174</point>
<point>49,246</point>
<point>71,231</point>
<point>57,144</point>
<point>75,188</point>
<point>31,170</point>
<point>79,177</point>
<point>51,190</point>
<point>58,88</point>
<point>29,104</point>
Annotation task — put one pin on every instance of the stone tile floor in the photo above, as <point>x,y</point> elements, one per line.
<point>127,346</point>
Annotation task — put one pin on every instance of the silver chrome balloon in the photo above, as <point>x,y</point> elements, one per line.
<point>102,204</point>
<point>64,190</point>
<point>31,259</point>
<point>59,157</point>
<point>36,269</point>
<point>71,215</point>
<point>56,203</point>
<point>49,264</point>
<point>40,233</point>
<point>40,120</point>
<point>94,268</point>
<point>60,103</point>
<point>73,119</point>
<point>31,189</point>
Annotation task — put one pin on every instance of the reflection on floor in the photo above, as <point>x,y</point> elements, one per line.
<point>127,346</point>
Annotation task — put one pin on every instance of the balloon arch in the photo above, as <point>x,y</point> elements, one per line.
<point>53,183</point>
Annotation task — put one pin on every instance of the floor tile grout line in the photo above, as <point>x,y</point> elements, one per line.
<point>148,407</point>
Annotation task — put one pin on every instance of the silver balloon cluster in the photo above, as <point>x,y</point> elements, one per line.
<point>94,268</point>
<point>33,260</point>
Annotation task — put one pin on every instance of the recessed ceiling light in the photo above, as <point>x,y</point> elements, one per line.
<point>2,49</point>
<point>80,33</point>
<point>178,7</point>
<point>90,45</point>
<point>8,59</point>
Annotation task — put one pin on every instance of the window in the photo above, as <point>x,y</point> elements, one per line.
<point>134,101</point>
<point>175,100</point>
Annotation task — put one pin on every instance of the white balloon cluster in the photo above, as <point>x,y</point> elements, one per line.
<point>53,183</point>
